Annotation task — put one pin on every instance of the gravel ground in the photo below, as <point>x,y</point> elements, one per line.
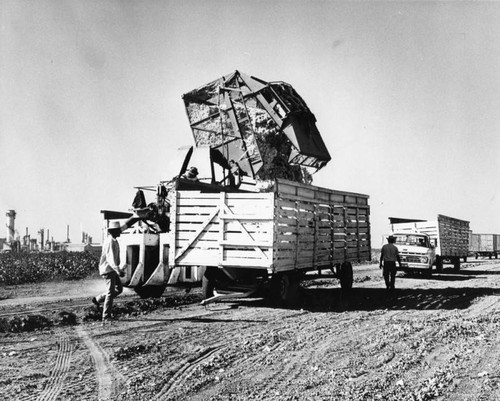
<point>431,339</point>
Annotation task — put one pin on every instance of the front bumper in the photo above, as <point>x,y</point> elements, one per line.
<point>415,262</point>
<point>411,266</point>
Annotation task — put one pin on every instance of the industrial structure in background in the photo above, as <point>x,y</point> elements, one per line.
<point>242,215</point>
<point>41,242</point>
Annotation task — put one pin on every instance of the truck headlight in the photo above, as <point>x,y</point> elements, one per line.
<point>424,259</point>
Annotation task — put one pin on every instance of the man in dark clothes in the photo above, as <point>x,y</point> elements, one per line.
<point>388,257</point>
<point>191,174</point>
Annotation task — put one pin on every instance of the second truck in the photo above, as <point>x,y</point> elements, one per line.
<point>426,244</point>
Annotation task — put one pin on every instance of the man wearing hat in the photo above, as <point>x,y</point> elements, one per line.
<point>388,257</point>
<point>109,269</point>
<point>191,174</point>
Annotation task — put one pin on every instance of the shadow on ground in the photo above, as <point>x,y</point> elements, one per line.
<point>370,299</point>
<point>449,275</point>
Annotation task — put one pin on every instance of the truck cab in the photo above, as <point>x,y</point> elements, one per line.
<point>416,250</point>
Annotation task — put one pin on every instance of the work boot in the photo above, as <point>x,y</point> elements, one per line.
<point>108,320</point>
<point>95,302</point>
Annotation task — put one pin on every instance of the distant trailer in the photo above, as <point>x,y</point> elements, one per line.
<point>482,245</point>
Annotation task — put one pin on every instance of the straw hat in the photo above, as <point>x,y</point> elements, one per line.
<point>114,225</point>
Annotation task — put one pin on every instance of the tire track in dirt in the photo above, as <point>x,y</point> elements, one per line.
<point>321,345</point>
<point>59,372</point>
<point>109,380</point>
<point>294,363</point>
<point>481,379</point>
<point>184,372</point>
<point>210,338</point>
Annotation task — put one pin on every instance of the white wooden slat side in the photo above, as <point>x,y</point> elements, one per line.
<point>240,233</point>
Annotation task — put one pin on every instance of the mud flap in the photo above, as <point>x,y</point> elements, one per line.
<point>159,276</point>
<point>137,276</point>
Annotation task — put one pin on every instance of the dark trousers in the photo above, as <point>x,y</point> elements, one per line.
<point>114,288</point>
<point>389,272</point>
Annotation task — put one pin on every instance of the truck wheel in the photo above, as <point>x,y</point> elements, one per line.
<point>288,289</point>
<point>208,282</point>
<point>456,264</point>
<point>439,264</point>
<point>150,291</point>
<point>346,276</point>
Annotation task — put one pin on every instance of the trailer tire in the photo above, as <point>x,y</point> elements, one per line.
<point>346,276</point>
<point>456,264</point>
<point>208,282</point>
<point>150,291</point>
<point>439,264</point>
<point>286,289</point>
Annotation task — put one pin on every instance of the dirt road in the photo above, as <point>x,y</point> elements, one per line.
<point>432,338</point>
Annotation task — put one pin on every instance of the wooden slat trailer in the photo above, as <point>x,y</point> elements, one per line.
<point>484,245</point>
<point>250,239</point>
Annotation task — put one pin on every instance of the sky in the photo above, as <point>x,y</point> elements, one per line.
<point>406,97</point>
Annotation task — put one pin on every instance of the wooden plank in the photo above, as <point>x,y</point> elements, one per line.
<point>196,234</point>
<point>282,229</point>
<point>198,202</point>
<point>246,253</point>
<point>259,226</point>
<point>247,243</point>
<point>184,195</point>
<point>286,221</point>
<point>306,207</point>
<point>287,213</point>
<point>306,246</point>
<point>285,237</point>
<point>285,204</point>
<point>192,227</point>
<point>249,196</point>
<point>239,217</point>
<point>226,211</point>
<point>183,237</point>
<point>192,219</point>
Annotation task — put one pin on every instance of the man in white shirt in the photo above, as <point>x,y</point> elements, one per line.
<point>109,269</point>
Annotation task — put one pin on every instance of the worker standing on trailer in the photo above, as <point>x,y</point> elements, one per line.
<point>191,174</point>
<point>389,255</point>
<point>109,269</point>
<point>235,174</point>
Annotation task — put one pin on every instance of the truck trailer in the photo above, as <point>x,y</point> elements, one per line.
<point>484,245</point>
<point>423,244</point>
<point>239,243</point>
